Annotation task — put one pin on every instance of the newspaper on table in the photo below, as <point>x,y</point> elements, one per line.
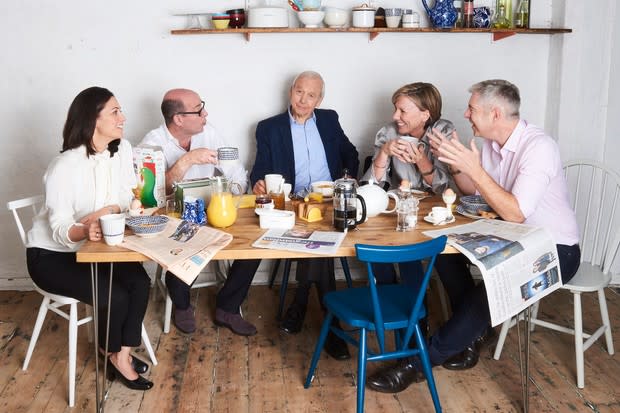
<point>301,240</point>
<point>519,263</point>
<point>185,258</point>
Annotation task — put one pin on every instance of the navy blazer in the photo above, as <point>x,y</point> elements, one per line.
<point>274,147</point>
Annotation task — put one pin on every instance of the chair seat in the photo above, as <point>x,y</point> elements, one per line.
<point>61,299</point>
<point>589,278</point>
<point>354,306</point>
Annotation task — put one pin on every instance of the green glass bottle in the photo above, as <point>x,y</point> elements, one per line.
<point>501,21</point>
<point>522,15</point>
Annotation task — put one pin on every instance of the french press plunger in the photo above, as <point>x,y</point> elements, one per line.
<point>345,203</point>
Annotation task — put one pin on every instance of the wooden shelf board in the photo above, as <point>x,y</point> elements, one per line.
<point>373,32</point>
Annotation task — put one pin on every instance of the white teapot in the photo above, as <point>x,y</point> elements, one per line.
<point>376,199</point>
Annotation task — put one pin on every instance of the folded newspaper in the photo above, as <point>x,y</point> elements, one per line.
<point>301,240</point>
<point>519,263</point>
<point>185,257</point>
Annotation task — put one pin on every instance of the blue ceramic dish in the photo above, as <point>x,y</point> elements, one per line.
<point>147,225</point>
<point>474,203</point>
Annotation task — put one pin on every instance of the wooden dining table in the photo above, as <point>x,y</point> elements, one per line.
<point>378,230</point>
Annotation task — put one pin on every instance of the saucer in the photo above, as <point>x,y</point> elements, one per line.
<point>447,221</point>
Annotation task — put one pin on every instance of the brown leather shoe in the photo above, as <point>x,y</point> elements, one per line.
<point>396,378</point>
<point>234,322</point>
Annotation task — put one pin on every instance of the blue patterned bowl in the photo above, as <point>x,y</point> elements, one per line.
<point>146,226</point>
<point>474,203</point>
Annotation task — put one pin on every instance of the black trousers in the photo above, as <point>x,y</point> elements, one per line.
<point>59,273</point>
<point>230,296</point>
<point>470,308</point>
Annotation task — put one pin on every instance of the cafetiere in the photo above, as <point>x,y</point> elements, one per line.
<point>345,204</point>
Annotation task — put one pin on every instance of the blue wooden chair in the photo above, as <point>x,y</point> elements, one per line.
<point>380,309</point>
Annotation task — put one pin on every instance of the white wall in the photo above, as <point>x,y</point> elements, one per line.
<point>52,50</point>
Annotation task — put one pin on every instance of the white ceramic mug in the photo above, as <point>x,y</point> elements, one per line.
<point>392,21</point>
<point>113,228</point>
<point>414,142</point>
<point>439,214</point>
<point>273,183</point>
<point>411,20</point>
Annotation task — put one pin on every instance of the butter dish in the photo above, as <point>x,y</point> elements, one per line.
<point>275,218</point>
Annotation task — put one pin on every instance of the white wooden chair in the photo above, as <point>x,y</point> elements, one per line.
<point>595,192</point>
<point>54,302</point>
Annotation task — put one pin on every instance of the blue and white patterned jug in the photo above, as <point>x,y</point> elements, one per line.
<point>443,15</point>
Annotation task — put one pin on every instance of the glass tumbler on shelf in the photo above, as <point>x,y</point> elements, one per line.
<point>522,15</point>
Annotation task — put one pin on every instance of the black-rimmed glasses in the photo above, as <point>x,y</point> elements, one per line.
<point>198,112</point>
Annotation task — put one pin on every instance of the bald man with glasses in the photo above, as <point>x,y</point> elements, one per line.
<point>190,146</point>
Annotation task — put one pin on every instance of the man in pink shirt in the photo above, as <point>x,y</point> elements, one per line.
<point>519,174</point>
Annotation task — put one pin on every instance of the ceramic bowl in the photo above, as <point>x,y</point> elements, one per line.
<point>326,188</point>
<point>335,17</point>
<point>147,226</point>
<point>474,203</point>
<point>311,19</point>
<point>311,5</point>
<point>221,24</point>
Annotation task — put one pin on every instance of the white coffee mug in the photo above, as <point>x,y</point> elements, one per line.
<point>414,142</point>
<point>439,214</point>
<point>273,183</point>
<point>113,228</point>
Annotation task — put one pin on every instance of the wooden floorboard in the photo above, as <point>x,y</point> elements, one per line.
<point>214,370</point>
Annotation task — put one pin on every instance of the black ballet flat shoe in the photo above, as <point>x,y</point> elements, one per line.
<point>138,365</point>
<point>138,384</point>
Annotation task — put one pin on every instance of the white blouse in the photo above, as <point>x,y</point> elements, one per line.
<point>76,185</point>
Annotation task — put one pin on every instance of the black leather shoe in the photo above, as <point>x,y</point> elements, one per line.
<point>396,378</point>
<point>336,347</point>
<point>138,365</point>
<point>293,320</point>
<point>487,339</point>
<point>466,359</point>
<point>138,384</point>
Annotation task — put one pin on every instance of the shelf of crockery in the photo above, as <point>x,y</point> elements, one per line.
<point>373,32</point>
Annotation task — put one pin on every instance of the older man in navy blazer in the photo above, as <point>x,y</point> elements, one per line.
<point>305,145</point>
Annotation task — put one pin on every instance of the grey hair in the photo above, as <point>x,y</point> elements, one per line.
<point>500,93</point>
<point>312,75</point>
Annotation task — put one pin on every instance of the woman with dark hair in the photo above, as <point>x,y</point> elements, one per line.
<point>93,176</point>
<point>403,145</point>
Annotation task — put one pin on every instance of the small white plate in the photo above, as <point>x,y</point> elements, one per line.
<point>430,220</point>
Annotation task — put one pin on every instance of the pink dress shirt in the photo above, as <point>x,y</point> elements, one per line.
<point>529,166</point>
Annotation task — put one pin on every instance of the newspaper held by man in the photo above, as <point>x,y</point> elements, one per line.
<point>181,248</point>
<point>519,263</point>
<point>299,239</point>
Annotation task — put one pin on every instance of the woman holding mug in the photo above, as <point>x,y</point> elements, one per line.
<point>93,176</point>
<point>403,145</point>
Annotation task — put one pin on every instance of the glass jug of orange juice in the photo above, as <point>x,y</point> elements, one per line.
<point>222,209</point>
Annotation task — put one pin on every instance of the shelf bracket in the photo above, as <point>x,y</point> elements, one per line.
<point>247,36</point>
<point>372,35</point>
<point>502,35</point>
